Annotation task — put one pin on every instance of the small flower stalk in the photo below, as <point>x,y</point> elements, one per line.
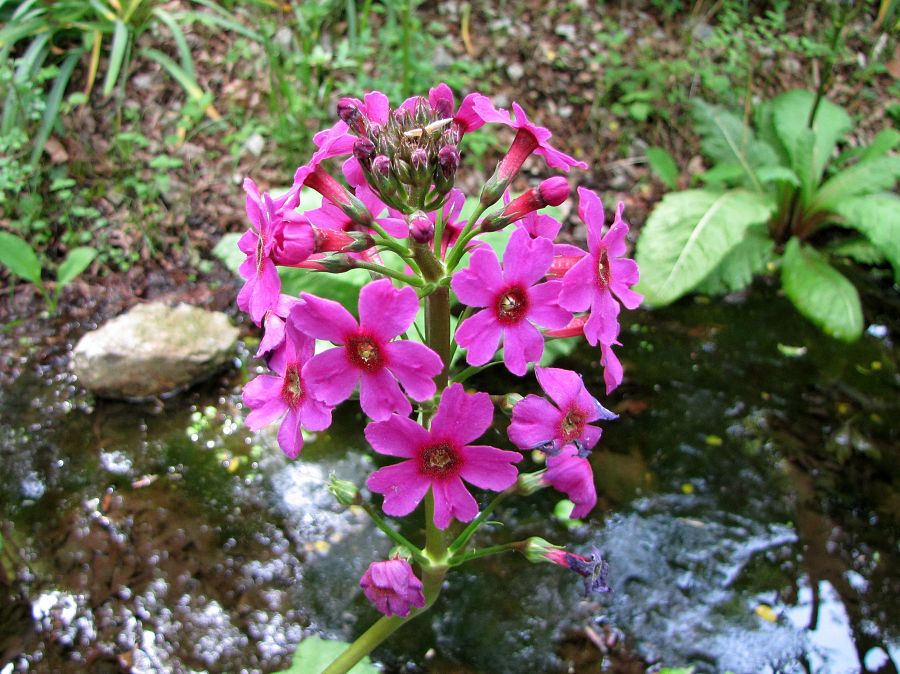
<point>390,207</point>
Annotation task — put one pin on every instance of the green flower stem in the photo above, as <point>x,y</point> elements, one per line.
<point>473,526</point>
<point>437,324</point>
<point>469,371</point>
<point>456,253</point>
<point>394,535</point>
<point>486,552</point>
<point>386,271</point>
<point>468,311</point>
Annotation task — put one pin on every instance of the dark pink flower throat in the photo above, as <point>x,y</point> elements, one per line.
<point>364,352</point>
<point>603,269</point>
<point>512,305</point>
<point>572,425</point>
<point>292,392</point>
<point>440,460</point>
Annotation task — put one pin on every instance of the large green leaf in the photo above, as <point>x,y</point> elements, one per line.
<point>19,258</point>
<point>228,252</point>
<point>790,114</point>
<point>884,142</point>
<point>314,654</point>
<point>725,139</point>
<point>866,177</point>
<point>741,264</point>
<point>877,216</point>
<point>76,262</point>
<point>343,288</point>
<point>664,166</point>
<point>689,234</point>
<point>803,161</point>
<point>820,292</point>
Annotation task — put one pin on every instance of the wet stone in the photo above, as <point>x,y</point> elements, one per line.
<point>154,349</point>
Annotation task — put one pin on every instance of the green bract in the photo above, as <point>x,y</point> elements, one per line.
<point>770,194</point>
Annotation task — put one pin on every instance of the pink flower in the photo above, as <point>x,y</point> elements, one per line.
<point>541,224</point>
<point>529,138</point>
<point>594,569</point>
<point>612,368</point>
<point>571,474</point>
<point>273,325</point>
<point>365,353</point>
<point>596,277</point>
<point>440,458</point>
<point>467,118</point>
<point>269,396</point>
<point>538,424</point>
<point>266,241</point>
<point>551,192</point>
<point>512,301</point>
<point>392,587</point>
<point>330,216</point>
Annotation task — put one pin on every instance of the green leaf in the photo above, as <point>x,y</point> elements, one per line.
<point>314,654</point>
<point>19,258</point>
<point>120,42</point>
<point>557,348</point>
<point>342,288</point>
<point>725,139</point>
<point>184,50</point>
<point>721,174</point>
<point>859,249</point>
<point>804,165</point>
<point>820,292</point>
<point>791,112</point>
<point>877,216</point>
<point>54,100</point>
<point>778,174</point>
<point>662,164</point>
<point>741,264</point>
<point>76,262</point>
<point>228,252</point>
<point>866,177</point>
<point>883,143</point>
<point>689,234</point>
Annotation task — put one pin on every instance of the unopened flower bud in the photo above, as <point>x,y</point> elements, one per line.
<point>381,165</point>
<point>346,493</point>
<point>361,241</point>
<point>400,552</point>
<point>421,229</point>
<point>419,158</point>
<point>539,550</point>
<point>331,240</point>
<point>333,264</point>
<point>554,191</point>
<point>363,150</point>
<point>529,483</point>
<point>349,112</point>
<point>448,159</point>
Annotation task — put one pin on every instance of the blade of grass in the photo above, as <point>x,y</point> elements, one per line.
<point>132,8</point>
<point>121,38</point>
<point>178,73</point>
<point>102,10</point>
<point>54,99</point>
<point>94,65</point>
<point>30,62</point>
<point>216,21</point>
<point>184,51</point>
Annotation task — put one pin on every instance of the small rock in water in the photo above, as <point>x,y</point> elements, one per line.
<point>153,349</point>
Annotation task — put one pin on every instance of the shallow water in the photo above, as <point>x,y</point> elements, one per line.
<point>748,508</point>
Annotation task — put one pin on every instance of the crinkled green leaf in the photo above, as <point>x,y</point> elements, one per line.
<point>859,249</point>
<point>790,114</point>
<point>741,264</point>
<point>877,216</point>
<point>19,258</point>
<point>820,292</point>
<point>76,262</point>
<point>314,654</point>
<point>664,166</point>
<point>689,234</point>
<point>865,177</point>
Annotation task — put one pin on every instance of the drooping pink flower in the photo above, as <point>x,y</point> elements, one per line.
<point>467,118</point>
<point>269,397</point>
<point>529,138</point>
<point>440,458</point>
<point>571,474</point>
<point>273,325</point>
<point>265,241</point>
<point>330,216</point>
<point>538,424</point>
<point>594,569</point>
<point>392,587</point>
<point>365,353</point>
<point>612,368</point>
<point>551,192</point>
<point>593,281</point>
<point>513,299</point>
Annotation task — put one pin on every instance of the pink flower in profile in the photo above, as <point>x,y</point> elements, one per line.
<point>467,118</point>
<point>365,353</point>
<point>441,458</point>
<point>269,397</point>
<point>529,138</point>
<point>273,325</point>
<point>392,587</point>
<point>612,368</point>
<point>593,281</point>
<point>265,241</point>
<point>330,216</point>
<point>571,474</point>
<point>538,424</point>
<point>513,301</point>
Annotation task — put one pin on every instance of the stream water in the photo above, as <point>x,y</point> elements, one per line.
<point>749,510</point>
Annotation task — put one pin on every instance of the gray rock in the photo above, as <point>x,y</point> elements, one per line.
<point>153,349</point>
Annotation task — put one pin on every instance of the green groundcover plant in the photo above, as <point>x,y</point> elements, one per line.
<point>777,197</point>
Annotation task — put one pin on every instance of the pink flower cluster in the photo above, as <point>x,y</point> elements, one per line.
<point>399,199</point>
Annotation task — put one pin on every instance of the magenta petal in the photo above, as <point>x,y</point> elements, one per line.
<point>559,160</point>
<point>615,237</point>
<point>612,368</point>
<point>415,366</point>
<point>462,417</point>
<point>489,467</point>
<point>402,486</point>
<point>478,284</point>
<point>522,344</point>
<point>467,117</point>
<point>579,285</point>
<point>534,422</point>
<point>573,476</point>
<point>480,336</point>
<point>624,273</point>
<point>329,377</point>
<point>265,292</point>
<point>398,436</point>
<point>563,386</point>
<point>386,311</point>
<point>377,107</point>
<point>545,309</point>
<point>290,437</point>
<point>441,97</point>
<point>590,210</point>
<point>591,436</point>
<point>452,499</point>
<point>316,414</point>
<point>526,260</point>
<point>380,395</point>
<point>263,397</point>
<point>483,107</point>
<point>353,172</point>
<point>323,319</point>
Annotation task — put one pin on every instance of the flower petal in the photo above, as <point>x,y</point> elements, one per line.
<point>380,395</point>
<point>290,437</point>
<point>544,306</point>
<point>522,344</point>
<point>415,366</point>
<point>579,285</point>
<point>462,417</point>
<point>386,311</point>
<point>452,499</point>
<point>590,210</point>
<point>402,486</point>
<point>534,422</point>
<point>612,368</point>
<point>563,386</point>
<point>398,436</point>
<point>323,319</point>
<point>526,260</point>
<point>315,415</point>
<point>329,377</point>
<point>480,335</point>
<point>624,273</point>
<point>478,284</point>
<point>489,467</point>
